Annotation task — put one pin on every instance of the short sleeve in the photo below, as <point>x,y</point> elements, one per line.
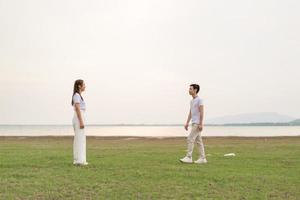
<point>201,103</point>
<point>76,98</point>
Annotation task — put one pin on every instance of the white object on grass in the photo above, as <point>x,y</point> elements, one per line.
<point>229,154</point>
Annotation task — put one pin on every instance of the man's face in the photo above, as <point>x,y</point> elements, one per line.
<point>192,91</point>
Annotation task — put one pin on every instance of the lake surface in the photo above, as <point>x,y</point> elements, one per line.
<point>148,131</point>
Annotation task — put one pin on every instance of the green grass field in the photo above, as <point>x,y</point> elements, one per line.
<point>141,168</point>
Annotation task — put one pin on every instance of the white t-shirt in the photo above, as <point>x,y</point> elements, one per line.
<point>77,99</point>
<point>195,104</point>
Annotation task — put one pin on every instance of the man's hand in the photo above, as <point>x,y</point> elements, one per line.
<point>200,127</point>
<point>186,126</point>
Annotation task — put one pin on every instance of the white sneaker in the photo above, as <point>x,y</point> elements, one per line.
<point>201,161</point>
<point>80,164</point>
<point>186,160</point>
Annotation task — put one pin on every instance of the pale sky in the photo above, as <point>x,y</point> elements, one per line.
<point>139,57</point>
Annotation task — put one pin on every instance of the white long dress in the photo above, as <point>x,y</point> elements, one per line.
<point>79,143</point>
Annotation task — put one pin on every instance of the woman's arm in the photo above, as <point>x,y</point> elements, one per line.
<point>77,109</point>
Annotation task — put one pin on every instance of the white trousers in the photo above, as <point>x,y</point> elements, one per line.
<point>79,143</point>
<point>195,135</point>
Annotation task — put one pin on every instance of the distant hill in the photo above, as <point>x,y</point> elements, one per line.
<point>253,118</point>
<point>295,122</point>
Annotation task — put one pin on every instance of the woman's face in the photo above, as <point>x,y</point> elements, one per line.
<point>82,88</point>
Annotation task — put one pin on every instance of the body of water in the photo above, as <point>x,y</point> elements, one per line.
<point>149,131</point>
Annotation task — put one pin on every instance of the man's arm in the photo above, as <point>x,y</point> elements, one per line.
<point>186,126</point>
<point>201,110</point>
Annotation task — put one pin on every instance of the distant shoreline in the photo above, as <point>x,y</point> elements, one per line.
<point>148,131</point>
<point>147,137</point>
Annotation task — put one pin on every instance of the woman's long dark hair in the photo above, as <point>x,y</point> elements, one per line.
<point>77,83</point>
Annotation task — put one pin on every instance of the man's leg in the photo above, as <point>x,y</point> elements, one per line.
<point>200,146</point>
<point>191,139</point>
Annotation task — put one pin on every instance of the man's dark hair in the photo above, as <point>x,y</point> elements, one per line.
<point>196,87</point>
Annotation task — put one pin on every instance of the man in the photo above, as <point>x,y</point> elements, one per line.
<point>196,115</point>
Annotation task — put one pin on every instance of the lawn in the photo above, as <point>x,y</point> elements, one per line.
<point>149,168</point>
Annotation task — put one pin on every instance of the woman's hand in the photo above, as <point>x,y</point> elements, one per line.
<point>81,125</point>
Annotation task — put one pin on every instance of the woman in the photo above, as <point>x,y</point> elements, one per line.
<point>79,145</point>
